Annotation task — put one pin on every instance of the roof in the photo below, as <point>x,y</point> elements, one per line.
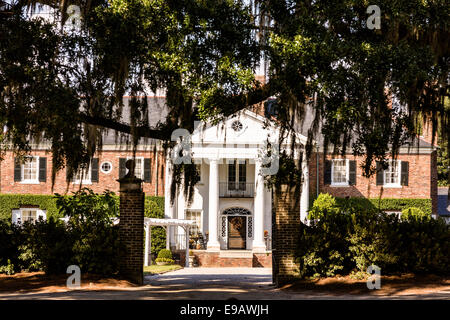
<point>157,113</point>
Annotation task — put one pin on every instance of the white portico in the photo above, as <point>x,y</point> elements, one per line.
<point>232,206</point>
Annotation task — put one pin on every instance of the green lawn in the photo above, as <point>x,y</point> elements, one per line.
<point>155,269</point>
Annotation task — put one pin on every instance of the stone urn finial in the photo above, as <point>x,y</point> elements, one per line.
<point>130,182</point>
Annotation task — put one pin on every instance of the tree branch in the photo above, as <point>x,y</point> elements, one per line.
<point>142,131</point>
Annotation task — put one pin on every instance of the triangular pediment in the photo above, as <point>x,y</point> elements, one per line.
<point>244,127</point>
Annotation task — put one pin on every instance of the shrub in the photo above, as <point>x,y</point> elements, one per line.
<point>169,261</point>
<point>46,245</point>
<point>95,244</point>
<point>354,239</point>
<point>165,253</point>
<point>414,213</point>
<point>373,239</point>
<point>89,239</point>
<point>8,269</point>
<point>325,204</point>
<point>9,243</point>
<point>323,248</point>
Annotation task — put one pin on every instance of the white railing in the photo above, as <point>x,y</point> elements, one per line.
<point>268,241</point>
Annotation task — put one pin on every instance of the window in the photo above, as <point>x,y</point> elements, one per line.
<point>392,174</point>
<point>197,217</point>
<point>30,172</point>
<point>237,126</point>
<point>83,176</point>
<point>106,167</point>
<point>198,167</point>
<point>27,215</point>
<point>139,168</point>
<point>339,172</point>
<point>237,175</point>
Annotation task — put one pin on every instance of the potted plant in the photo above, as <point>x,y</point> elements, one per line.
<point>191,258</point>
<point>164,258</point>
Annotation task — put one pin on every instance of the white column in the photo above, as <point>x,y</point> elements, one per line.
<point>168,237</point>
<point>186,263</point>
<point>304,197</point>
<point>213,243</point>
<point>258,233</point>
<point>149,245</point>
<point>147,248</point>
<point>169,209</point>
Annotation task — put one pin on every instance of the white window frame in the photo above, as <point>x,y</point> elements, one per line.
<point>347,173</point>
<point>22,169</point>
<point>17,214</point>
<point>141,176</point>
<point>86,178</point>
<point>399,176</point>
<point>200,212</point>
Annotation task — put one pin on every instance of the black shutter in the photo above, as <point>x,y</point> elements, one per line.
<point>327,173</point>
<point>17,170</point>
<point>122,168</point>
<point>352,172</point>
<point>42,169</point>
<point>94,170</point>
<point>147,170</point>
<point>380,172</point>
<point>405,173</point>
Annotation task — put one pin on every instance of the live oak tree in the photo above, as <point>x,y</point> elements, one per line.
<point>370,88</point>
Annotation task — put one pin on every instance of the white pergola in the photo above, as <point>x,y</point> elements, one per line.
<point>148,222</point>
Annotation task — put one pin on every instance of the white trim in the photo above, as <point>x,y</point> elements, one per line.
<point>30,181</point>
<point>110,170</point>
<point>347,173</point>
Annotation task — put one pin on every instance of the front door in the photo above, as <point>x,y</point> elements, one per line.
<point>237,227</point>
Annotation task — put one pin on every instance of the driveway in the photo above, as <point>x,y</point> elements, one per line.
<point>212,284</point>
<point>443,204</point>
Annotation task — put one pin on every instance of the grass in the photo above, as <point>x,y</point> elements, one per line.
<point>155,269</point>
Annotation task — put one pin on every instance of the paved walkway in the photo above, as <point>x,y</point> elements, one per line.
<point>209,284</point>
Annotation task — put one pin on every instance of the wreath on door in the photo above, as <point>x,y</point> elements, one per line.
<point>237,222</point>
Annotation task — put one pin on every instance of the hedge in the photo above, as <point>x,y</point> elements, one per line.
<point>8,202</point>
<point>386,204</point>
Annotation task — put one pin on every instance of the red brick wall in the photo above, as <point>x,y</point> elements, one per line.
<point>422,183</point>
<point>106,181</point>
<point>207,259</point>
<point>131,235</point>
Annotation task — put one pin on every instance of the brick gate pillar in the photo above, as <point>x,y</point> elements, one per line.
<point>285,234</point>
<point>131,227</point>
